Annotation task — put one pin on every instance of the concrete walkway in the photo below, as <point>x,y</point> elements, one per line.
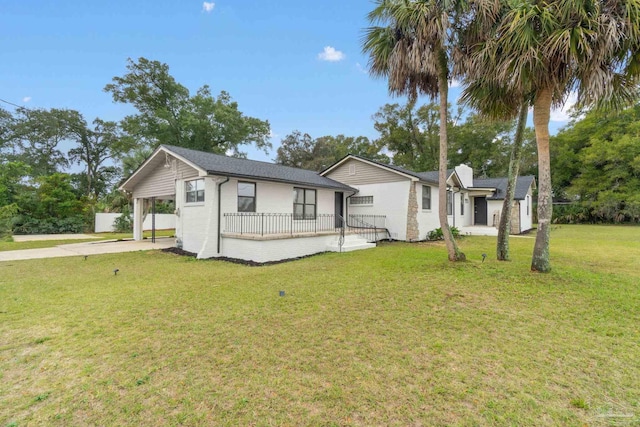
<point>33,237</point>
<point>88,248</point>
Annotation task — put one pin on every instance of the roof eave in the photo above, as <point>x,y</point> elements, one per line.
<point>284,181</point>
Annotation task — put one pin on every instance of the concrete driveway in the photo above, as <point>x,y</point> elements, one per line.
<point>88,248</point>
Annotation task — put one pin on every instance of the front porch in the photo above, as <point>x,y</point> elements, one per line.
<point>277,226</point>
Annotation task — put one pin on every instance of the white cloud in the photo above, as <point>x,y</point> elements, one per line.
<point>361,68</point>
<point>208,6</point>
<point>331,54</point>
<point>454,83</point>
<point>26,99</point>
<point>562,114</point>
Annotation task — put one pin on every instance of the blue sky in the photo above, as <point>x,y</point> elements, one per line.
<point>297,64</point>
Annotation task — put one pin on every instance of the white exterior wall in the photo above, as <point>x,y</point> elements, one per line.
<point>196,223</point>
<point>427,218</point>
<point>494,210</point>
<point>465,173</point>
<point>465,220</point>
<point>273,197</point>
<point>104,222</point>
<point>390,199</point>
<point>460,219</point>
<point>526,218</point>
<point>275,250</point>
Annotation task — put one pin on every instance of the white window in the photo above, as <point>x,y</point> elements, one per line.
<point>304,203</point>
<point>246,196</point>
<point>352,169</point>
<point>461,204</point>
<point>194,191</point>
<point>449,203</point>
<point>426,197</point>
<point>361,200</point>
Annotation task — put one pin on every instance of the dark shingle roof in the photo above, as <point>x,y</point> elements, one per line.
<point>500,184</point>
<point>216,164</point>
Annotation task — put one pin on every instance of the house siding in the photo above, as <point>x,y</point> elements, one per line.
<point>276,250</point>
<point>390,199</point>
<point>196,223</point>
<point>161,181</point>
<point>364,174</point>
<point>272,197</point>
<point>427,218</point>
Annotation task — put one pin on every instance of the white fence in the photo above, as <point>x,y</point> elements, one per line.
<point>104,222</point>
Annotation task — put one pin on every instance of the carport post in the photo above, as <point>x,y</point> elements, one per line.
<point>137,218</point>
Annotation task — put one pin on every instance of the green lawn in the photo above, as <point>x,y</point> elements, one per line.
<point>37,244</point>
<point>394,335</point>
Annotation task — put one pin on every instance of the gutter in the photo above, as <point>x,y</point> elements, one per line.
<point>284,181</point>
<point>219,211</point>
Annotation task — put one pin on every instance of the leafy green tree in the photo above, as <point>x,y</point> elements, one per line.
<point>545,51</point>
<point>94,148</point>
<point>51,206</point>
<point>411,134</point>
<point>12,175</point>
<point>6,125</point>
<point>483,144</point>
<point>596,164</point>
<point>168,114</point>
<point>35,136</point>
<point>410,44</point>
<point>302,151</point>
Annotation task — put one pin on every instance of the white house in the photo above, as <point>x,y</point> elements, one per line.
<point>258,211</point>
<point>409,200</point>
<point>243,209</point>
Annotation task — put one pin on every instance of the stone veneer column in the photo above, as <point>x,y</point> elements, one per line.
<point>412,215</point>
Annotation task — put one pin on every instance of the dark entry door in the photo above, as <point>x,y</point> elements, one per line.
<point>339,208</point>
<point>480,210</point>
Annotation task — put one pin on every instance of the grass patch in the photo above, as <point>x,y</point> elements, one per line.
<point>394,335</point>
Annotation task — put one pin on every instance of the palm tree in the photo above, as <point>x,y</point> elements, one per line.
<point>493,101</point>
<point>409,44</point>
<point>551,48</point>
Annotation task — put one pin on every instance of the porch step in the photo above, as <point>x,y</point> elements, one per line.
<point>352,242</point>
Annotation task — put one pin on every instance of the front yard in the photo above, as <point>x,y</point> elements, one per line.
<point>394,335</point>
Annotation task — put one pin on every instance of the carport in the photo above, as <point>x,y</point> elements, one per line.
<point>154,181</point>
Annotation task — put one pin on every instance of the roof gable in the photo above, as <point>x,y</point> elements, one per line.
<point>423,176</point>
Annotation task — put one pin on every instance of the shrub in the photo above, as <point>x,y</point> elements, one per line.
<point>8,214</point>
<point>438,235</point>
<point>124,223</point>
<point>29,225</point>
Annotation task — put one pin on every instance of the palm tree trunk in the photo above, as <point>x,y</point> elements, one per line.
<point>502,247</point>
<point>541,113</point>
<point>454,253</point>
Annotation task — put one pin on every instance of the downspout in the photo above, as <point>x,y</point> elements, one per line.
<point>346,208</point>
<point>219,211</point>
